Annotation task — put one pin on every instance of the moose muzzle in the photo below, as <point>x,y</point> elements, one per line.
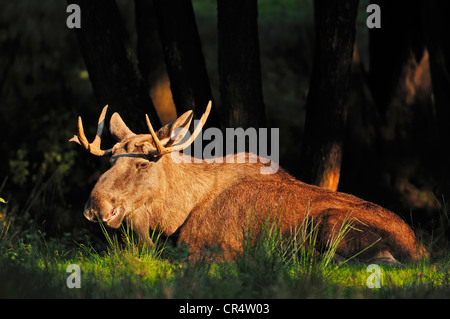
<point>112,216</point>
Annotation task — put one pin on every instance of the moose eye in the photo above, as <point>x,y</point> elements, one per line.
<point>142,165</point>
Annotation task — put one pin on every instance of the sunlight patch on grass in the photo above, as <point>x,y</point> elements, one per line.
<point>271,268</point>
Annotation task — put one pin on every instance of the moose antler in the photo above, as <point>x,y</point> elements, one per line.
<point>94,147</point>
<point>161,149</point>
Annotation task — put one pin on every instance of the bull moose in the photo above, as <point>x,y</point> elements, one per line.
<point>210,204</point>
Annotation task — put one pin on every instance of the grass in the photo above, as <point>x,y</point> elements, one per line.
<point>271,268</point>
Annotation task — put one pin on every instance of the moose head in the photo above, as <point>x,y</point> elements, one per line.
<point>138,166</point>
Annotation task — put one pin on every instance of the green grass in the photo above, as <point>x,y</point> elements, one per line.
<point>268,269</point>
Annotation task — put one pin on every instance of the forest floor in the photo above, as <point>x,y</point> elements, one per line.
<point>41,270</point>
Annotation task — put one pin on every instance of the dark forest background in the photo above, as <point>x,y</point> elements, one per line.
<point>364,111</point>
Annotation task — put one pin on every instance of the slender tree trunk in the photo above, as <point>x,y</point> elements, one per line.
<point>184,58</point>
<point>322,146</point>
<point>239,64</point>
<point>396,46</point>
<point>149,51</point>
<point>438,28</point>
<point>437,31</point>
<point>111,63</point>
<point>151,60</point>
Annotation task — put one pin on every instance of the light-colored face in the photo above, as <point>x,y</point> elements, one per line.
<point>137,164</point>
<point>128,184</point>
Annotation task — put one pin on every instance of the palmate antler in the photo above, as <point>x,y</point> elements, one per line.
<point>94,147</point>
<point>161,149</point>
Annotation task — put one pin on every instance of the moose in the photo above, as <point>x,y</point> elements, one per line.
<point>211,204</point>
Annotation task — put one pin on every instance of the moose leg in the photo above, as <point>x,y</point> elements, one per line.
<point>140,225</point>
<point>144,240</point>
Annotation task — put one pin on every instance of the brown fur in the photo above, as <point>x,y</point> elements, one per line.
<point>209,203</point>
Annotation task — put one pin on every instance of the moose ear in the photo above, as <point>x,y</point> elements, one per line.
<point>118,128</point>
<point>174,132</point>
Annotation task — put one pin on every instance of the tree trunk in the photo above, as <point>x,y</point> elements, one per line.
<point>438,29</point>
<point>111,63</point>
<point>151,60</point>
<point>239,64</point>
<point>399,44</point>
<point>148,47</point>
<point>183,54</point>
<point>322,145</point>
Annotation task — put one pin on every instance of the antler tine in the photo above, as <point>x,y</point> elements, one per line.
<point>161,150</point>
<point>94,147</point>
<point>197,130</point>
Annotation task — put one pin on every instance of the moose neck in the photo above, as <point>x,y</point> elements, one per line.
<point>187,183</point>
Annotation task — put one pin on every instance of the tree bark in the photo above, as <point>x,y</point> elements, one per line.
<point>111,63</point>
<point>239,64</point>
<point>184,58</point>
<point>322,145</point>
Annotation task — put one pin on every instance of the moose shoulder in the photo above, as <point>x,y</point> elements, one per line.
<point>211,204</point>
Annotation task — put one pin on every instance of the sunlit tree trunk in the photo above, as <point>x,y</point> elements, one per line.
<point>184,58</point>
<point>322,145</point>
